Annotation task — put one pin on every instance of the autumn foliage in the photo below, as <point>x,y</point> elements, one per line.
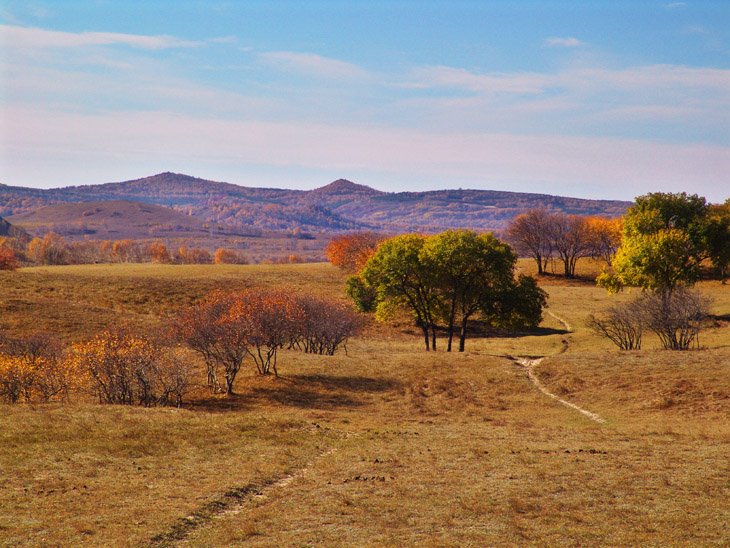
<point>126,368</point>
<point>350,252</point>
<point>32,369</point>
<point>8,258</point>
<point>227,328</point>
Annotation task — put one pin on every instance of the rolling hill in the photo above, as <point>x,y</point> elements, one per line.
<point>339,206</point>
<point>114,219</point>
<point>12,231</point>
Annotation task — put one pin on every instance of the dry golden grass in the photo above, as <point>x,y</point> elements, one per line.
<point>385,446</point>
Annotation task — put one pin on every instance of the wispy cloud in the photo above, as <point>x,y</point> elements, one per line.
<point>567,42</point>
<point>675,5</point>
<point>450,77</point>
<point>313,64</point>
<point>36,38</point>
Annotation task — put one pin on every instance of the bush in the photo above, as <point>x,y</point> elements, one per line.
<point>326,326</point>
<point>33,368</point>
<point>677,316</point>
<point>622,324</point>
<point>132,369</point>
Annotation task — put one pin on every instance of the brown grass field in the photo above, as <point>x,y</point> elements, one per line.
<point>386,445</point>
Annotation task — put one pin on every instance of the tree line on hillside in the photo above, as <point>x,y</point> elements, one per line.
<point>53,249</point>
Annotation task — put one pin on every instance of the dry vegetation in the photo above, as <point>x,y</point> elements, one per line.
<point>383,446</point>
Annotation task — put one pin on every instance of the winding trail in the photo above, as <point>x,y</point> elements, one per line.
<point>528,366</point>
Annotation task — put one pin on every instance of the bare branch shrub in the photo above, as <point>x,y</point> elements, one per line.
<point>676,316</point>
<point>325,325</point>
<point>622,324</point>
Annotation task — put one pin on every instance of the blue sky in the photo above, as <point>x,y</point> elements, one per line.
<point>590,99</point>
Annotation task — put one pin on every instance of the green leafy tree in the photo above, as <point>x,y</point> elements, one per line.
<point>467,266</point>
<point>664,243</point>
<point>401,279</point>
<point>450,277</point>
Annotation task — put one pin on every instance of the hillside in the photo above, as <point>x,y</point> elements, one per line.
<point>7,229</point>
<point>339,206</point>
<point>116,219</point>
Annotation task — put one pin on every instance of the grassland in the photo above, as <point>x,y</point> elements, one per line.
<point>383,446</point>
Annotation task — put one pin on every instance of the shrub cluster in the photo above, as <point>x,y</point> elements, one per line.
<point>118,367</point>
<point>126,368</point>
<point>32,368</point>
<point>227,328</point>
<point>676,317</point>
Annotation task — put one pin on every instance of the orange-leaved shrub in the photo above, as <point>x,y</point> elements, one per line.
<point>127,368</point>
<point>32,368</point>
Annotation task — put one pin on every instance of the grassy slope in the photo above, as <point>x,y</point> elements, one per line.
<point>384,446</point>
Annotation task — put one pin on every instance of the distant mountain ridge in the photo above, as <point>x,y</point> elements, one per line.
<point>339,206</point>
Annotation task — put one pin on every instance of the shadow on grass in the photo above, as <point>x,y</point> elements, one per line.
<point>301,391</point>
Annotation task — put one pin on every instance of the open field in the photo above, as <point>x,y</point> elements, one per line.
<point>383,446</point>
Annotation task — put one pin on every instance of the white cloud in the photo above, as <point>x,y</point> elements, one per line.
<point>313,64</point>
<point>675,5</point>
<point>449,77</point>
<point>30,37</point>
<point>568,42</point>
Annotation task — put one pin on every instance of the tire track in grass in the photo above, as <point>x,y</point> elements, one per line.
<point>232,502</point>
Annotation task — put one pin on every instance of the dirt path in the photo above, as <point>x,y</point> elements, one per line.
<point>528,365</point>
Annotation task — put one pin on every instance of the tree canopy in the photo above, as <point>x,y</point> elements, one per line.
<point>448,279</point>
<point>666,238</point>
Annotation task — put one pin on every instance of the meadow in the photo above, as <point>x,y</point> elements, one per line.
<point>384,445</point>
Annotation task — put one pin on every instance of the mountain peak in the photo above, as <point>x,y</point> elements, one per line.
<point>343,186</point>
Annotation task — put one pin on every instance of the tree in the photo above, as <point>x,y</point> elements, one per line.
<point>228,256</point>
<point>664,243</point>
<point>450,277</point>
<point>325,325</point>
<point>209,329</point>
<point>401,279</point>
<point>675,316</point>
<point>350,252</point>
<point>717,239</point>
<point>158,253</point>
<point>605,237</point>
<point>515,305</point>
<point>467,266</point>
<point>8,259</point>
<point>659,261</point>
<point>51,250</point>
<point>270,320</point>
<point>571,239</point>
<point>529,233</point>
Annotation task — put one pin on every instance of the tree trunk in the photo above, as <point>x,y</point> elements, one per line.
<point>462,334</point>
<point>451,325</point>
<point>425,337</point>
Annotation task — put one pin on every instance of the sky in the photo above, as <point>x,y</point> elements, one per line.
<point>593,99</point>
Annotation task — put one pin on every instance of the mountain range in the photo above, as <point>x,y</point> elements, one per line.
<point>339,206</point>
